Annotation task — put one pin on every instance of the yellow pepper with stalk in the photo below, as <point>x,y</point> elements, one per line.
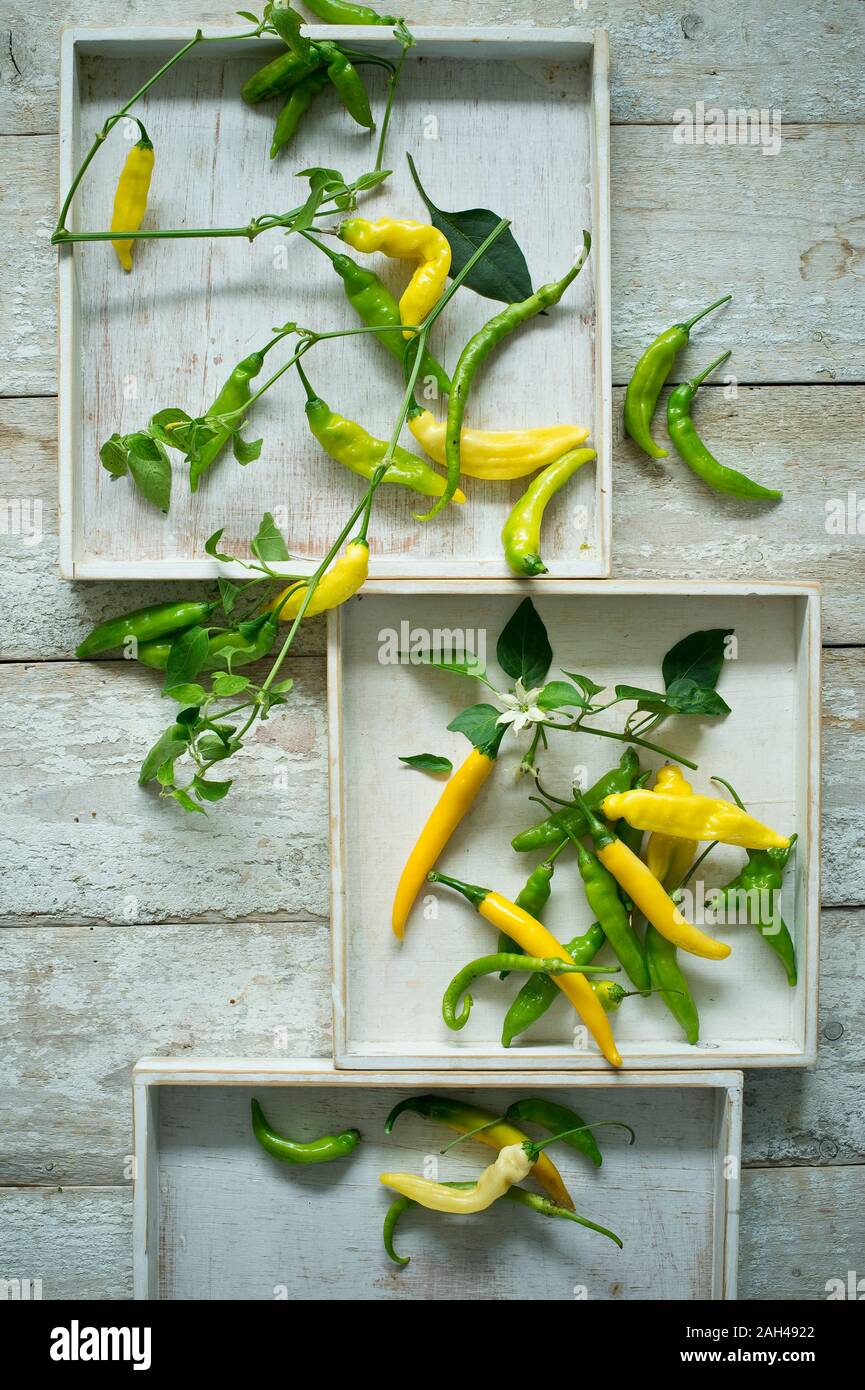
<point>499,455</point>
<point>692,818</point>
<point>669,857</point>
<point>408,241</point>
<point>130,200</point>
<point>346,575</point>
<point>536,940</point>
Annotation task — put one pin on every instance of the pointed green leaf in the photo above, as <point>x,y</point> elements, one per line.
<point>427,762</point>
<point>523,649</point>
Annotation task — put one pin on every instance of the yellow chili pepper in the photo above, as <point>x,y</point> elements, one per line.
<point>130,200</point>
<point>668,857</point>
<point>407,241</point>
<point>645,892</point>
<point>456,799</point>
<point>535,940</point>
<point>497,454</point>
<point>345,576</point>
<point>691,818</point>
<point>513,1164</point>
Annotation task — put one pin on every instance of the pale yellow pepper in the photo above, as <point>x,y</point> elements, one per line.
<point>668,857</point>
<point>691,818</point>
<point>513,1164</point>
<point>345,576</point>
<point>406,241</point>
<point>130,200</point>
<point>646,893</point>
<point>498,454</point>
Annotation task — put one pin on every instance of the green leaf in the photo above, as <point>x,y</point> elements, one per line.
<point>636,692</point>
<point>170,744</point>
<point>189,717</point>
<point>427,762</point>
<point>150,469</point>
<point>474,667</point>
<point>165,774</point>
<point>685,696</point>
<point>269,542</point>
<point>115,456</point>
<point>212,748</point>
<point>210,547</point>
<point>283,687</point>
<point>245,450</point>
<point>287,24</point>
<point>372,179</point>
<point>479,723</point>
<point>523,649</point>
<point>560,694</point>
<point>185,800</point>
<point>225,685</point>
<point>585,684</point>
<point>501,274</point>
<point>247,14</point>
<point>186,656</point>
<point>210,791</point>
<point>228,593</point>
<point>699,656</point>
<point>174,438</point>
<point>186,694</point>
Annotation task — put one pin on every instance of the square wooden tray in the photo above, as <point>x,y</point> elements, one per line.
<point>217,1218</point>
<point>387,994</point>
<point>512,119</point>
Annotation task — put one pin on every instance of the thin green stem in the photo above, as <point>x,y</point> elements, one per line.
<point>626,738</point>
<point>732,790</point>
<point>393,83</point>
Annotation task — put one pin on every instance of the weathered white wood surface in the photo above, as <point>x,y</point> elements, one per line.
<point>785,230</point>
<point>802,59</point>
<point>802,1227</point>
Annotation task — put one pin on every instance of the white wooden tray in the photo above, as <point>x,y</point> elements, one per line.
<point>387,994</point>
<point>512,119</point>
<point>217,1218</point>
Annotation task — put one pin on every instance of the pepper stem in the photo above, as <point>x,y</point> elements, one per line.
<point>535,1147</point>
<point>703,312</point>
<point>600,833</point>
<point>471,891</point>
<point>732,790</point>
<point>320,244</point>
<point>698,380</point>
<point>551,858</point>
<point>310,393</point>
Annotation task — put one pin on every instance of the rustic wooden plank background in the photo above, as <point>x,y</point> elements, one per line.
<point>130,931</point>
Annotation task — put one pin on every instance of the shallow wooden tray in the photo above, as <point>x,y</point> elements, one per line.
<point>217,1218</point>
<point>387,995</point>
<point>513,119</point>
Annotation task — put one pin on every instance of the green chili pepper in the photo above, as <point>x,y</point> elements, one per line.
<point>342,12</point>
<point>539,991</point>
<point>650,373</point>
<point>144,624</point>
<point>692,451</point>
<point>477,349</point>
<point>225,650</point>
<point>235,394</point>
<point>295,107</point>
<point>375,306</point>
<point>662,958</point>
<point>571,819</point>
<point>760,880</point>
<point>351,445</point>
<point>279,76</point>
<point>532,898</point>
<point>487,965</point>
<point>553,1117</point>
<point>521,534</point>
<point>602,893</point>
<point>347,81</point>
<point>544,1206</point>
<point>322,1150</point>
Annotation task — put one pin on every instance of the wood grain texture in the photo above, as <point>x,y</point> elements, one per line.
<point>801,1228</point>
<point>666,523</point>
<point>784,232</point>
<point>802,60</point>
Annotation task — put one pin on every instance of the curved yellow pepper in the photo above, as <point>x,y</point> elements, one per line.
<point>535,940</point>
<point>511,1167</point>
<point>498,1136</point>
<point>130,200</point>
<point>406,241</point>
<point>656,905</point>
<point>691,818</point>
<point>498,454</point>
<point>668,857</point>
<point>345,576</point>
<point>456,799</point>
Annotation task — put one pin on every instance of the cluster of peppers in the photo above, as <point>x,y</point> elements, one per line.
<point>518,1158</point>
<point>620,887</point>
